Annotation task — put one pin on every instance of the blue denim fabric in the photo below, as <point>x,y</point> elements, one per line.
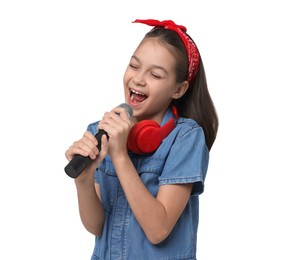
<point>181,158</point>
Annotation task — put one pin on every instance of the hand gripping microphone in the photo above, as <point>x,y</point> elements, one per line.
<point>78,163</point>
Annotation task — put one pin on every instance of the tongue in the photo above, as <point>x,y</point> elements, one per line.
<point>138,98</point>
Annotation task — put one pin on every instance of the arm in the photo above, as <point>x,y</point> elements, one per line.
<point>157,216</point>
<point>90,207</point>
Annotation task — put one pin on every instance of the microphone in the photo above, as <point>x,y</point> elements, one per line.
<point>78,163</point>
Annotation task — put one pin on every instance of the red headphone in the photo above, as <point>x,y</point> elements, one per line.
<point>146,136</point>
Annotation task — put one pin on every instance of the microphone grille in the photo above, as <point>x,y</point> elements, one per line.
<point>127,108</point>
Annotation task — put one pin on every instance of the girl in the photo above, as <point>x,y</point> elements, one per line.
<point>141,201</point>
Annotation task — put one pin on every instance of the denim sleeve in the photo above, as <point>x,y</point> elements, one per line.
<point>187,161</point>
<point>93,127</point>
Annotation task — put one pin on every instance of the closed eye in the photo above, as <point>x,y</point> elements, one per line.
<point>156,76</point>
<point>133,66</point>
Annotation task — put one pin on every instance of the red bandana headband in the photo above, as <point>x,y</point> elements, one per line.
<point>191,49</point>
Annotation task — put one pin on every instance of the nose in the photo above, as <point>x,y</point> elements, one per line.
<point>139,80</point>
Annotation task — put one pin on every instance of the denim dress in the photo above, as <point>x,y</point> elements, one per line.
<point>182,157</point>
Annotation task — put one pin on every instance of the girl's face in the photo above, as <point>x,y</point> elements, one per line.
<point>150,80</point>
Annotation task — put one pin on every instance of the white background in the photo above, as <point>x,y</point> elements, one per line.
<point>61,67</point>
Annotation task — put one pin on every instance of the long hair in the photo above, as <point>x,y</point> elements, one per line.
<point>196,103</point>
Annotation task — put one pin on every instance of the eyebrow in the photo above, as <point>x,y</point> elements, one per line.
<point>154,66</point>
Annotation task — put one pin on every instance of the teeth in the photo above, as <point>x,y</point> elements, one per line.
<point>137,93</point>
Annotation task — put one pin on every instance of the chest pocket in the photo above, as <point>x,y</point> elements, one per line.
<point>149,169</point>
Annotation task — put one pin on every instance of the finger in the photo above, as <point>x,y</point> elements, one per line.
<point>87,146</point>
<point>109,122</point>
<point>104,145</point>
<point>68,154</point>
<point>122,113</point>
<point>88,135</point>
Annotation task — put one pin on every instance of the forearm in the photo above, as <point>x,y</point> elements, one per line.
<point>90,207</point>
<point>149,211</point>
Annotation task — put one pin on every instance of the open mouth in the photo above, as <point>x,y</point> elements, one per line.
<point>137,97</point>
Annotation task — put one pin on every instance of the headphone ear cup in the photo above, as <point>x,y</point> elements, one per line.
<point>144,137</point>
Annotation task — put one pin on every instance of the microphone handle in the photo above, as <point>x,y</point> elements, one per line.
<point>79,163</point>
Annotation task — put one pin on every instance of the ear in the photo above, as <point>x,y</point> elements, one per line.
<point>181,88</point>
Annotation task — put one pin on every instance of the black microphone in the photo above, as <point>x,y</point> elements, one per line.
<point>78,163</point>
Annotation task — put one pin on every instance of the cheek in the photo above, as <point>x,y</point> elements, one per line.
<point>165,92</point>
<point>128,75</point>
<point>125,76</point>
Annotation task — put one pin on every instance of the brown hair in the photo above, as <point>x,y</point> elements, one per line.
<point>196,103</point>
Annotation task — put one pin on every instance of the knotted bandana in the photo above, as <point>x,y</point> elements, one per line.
<point>191,49</point>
